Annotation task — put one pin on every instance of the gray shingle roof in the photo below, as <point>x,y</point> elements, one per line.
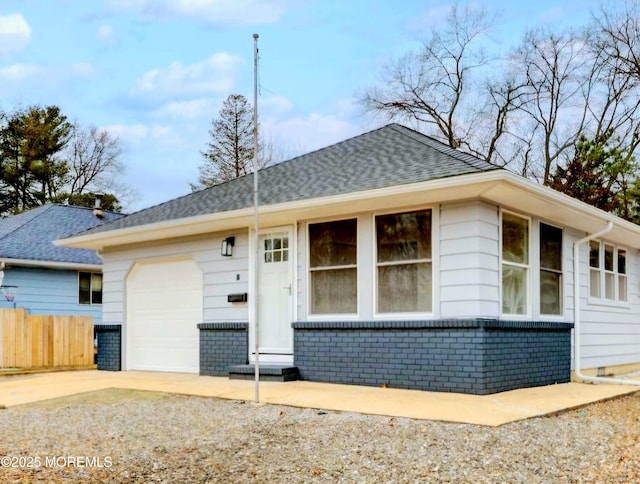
<point>388,156</point>
<point>29,235</point>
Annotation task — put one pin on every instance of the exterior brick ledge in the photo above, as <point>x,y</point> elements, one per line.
<point>433,324</point>
<point>103,328</point>
<point>224,326</point>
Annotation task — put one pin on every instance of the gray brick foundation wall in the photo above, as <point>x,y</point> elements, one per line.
<point>109,346</point>
<point>221,346</point>
<point>475,356</point>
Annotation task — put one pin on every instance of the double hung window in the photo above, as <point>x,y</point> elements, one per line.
<point>515,264</point>
<point>404,267</point>
<point>550,269</point>
<point>89,288</point>
<point>333,267</point>
<point>607,271</point>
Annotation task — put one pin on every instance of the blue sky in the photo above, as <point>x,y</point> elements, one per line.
<point>155,72</point>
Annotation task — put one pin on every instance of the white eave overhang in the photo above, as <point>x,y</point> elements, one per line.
<point>499,186</point>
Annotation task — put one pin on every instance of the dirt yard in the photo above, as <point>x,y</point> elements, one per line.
<point>133,436</point>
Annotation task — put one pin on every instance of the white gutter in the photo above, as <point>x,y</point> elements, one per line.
<point>576,312</point>
<point>52,264</point>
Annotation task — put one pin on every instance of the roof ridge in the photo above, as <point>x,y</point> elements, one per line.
<point>337,143</point>
<point>443,148</point>
<point>80,207</point>
<point>27,221</point>
<point>246,175</point>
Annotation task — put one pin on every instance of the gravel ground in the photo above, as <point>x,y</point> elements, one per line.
<point>127,436</point>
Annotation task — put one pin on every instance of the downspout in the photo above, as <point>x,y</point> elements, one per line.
<point>576,312</point>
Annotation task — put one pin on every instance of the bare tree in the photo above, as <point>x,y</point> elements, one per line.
<point>439,86</point>
<point>614,38</point>
<point>554,68</point>
<point>95,160</point>
<point>617,35</point>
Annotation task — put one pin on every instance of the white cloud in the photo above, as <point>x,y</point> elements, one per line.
<point>15,33</point>
<point>192,109</point>
<point>223,13</point>
<point>214,75</point>
<point>138,133</point>
<point>19,72</point>
<point>275,104</point>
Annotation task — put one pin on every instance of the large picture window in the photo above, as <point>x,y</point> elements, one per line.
<point>89,288</point>
<point>333,267</point>
<point>607,271</point>
<point>515,264</point>
<point>404,272</point>
<point>550,269</point>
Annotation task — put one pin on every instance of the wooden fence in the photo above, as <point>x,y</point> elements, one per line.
<point>44,341</point>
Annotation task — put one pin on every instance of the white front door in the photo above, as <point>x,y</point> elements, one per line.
<point>275,290</point>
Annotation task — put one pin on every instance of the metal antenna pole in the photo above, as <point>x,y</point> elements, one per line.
<point>256,168</point>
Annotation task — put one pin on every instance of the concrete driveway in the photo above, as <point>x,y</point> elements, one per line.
<point>489,410</point>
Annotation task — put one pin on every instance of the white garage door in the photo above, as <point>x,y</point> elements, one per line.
<point>164,307</point>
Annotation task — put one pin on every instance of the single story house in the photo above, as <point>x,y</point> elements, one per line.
<point>44,278</point>
<point>386,259</point>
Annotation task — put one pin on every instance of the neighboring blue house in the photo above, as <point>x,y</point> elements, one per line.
<point>48,279</point>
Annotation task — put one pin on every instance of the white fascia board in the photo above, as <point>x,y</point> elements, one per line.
<point>52,264</point>
<point>214,222</point>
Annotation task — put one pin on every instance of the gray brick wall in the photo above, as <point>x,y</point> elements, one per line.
<point>474,356</point>
<point>221,346</point>
<point>526,358</point>
<point>109,346</point>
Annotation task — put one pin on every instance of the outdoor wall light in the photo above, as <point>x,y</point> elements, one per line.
<point>227,246</point>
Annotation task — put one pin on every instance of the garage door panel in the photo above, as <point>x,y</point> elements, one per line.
<point>164,307</point>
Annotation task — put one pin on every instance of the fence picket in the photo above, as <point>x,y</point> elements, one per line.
<point>44,341</point>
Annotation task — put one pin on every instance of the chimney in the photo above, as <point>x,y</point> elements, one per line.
<point>97,207</point>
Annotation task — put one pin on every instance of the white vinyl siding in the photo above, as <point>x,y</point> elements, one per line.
<point>467,250</point>
<point>610,330</point>
<point>221,275</point>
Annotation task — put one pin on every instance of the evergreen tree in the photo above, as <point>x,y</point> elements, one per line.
<point>44,158</point>
<point>600,175</point>
<point>31,171</point>
<point>229,151</point>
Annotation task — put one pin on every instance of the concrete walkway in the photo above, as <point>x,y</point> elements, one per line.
<point>490,410</point>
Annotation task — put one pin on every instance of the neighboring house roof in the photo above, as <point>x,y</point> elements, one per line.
<point>29,236</point>
<point>389,156</point>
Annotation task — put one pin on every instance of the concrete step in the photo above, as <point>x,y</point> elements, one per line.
<point>268,372</point>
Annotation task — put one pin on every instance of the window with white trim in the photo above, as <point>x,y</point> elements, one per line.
<point>333,269</point>
<point>607,271</point>
<point>404,267</point>
<point>550,269</point>
<point>515,264</point>
<point>89,288</point>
